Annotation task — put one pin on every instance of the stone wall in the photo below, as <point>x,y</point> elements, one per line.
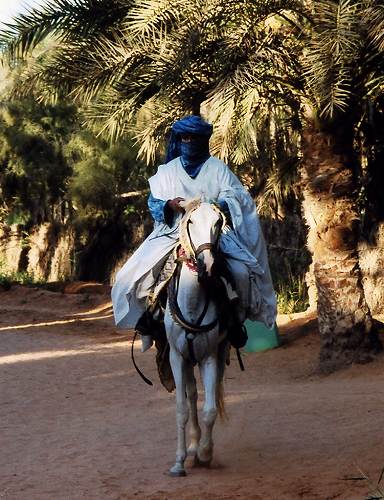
<point>12,246</point>
<point>52,252</point>
<point>45,252</point>
<point>55,252</point>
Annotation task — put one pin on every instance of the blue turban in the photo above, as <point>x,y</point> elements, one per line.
<point>189,125</point>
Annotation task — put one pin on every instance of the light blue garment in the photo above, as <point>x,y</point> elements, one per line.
<point>157,208</point>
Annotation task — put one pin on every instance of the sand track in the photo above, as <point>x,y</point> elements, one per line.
<point>76,422</point>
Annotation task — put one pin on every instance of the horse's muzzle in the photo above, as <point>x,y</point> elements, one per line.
<point>204,267</point>
<point>202,273</point>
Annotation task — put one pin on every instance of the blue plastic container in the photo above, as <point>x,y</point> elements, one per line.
<point>260,338</point>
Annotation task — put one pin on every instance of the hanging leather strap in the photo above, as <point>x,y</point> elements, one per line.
<point>241,364</point>
<point>146,380</point>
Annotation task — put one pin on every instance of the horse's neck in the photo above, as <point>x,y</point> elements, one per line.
<point>191,295</point>
<point>189,285</point>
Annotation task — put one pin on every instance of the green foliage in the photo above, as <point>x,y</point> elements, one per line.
<point>69,18</point>
<point>5,281</point>
<point>20,277</point>
<point>164,59</point>
<point>92,185</point>
<point>101,173</point>
<point>128,210</point>
<point>51,168</point>
<point>33,171</point>
<point>17,216</point>
<point>26,278</point>
<point>292,295</point>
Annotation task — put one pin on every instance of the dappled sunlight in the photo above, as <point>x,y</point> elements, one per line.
<point>120,373</point>
<point>52,323</point>
<point>240,397</point>
<point>101,308</point>
<point>44,355</point>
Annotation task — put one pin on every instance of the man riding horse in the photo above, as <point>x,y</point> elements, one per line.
<point>191,172</point>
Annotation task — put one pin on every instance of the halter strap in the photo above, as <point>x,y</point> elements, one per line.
<point>203,246</point>
<point>177,315</point>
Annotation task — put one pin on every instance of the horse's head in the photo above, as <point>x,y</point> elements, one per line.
<point>200,229</point>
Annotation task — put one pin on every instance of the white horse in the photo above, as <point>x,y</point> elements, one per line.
<point>192,326</point>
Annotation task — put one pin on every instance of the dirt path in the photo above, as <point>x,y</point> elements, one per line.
<point>77,423</point>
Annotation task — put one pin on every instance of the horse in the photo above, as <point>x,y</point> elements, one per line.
<point>193,332</point>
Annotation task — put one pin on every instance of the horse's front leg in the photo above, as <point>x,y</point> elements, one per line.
<point>208,370</point>
<point>179,374</point>
<point>195,431</point>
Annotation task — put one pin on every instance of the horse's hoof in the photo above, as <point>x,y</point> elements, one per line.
<point>176,472</point>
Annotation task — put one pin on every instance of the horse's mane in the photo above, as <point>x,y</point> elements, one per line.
<point>184,240</point>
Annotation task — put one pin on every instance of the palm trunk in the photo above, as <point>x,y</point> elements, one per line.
<point>345,322</point>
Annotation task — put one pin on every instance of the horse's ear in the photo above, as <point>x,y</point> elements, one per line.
<point>189,204</point>
<point>183,204</point>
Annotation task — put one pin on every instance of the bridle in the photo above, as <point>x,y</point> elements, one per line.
<point>204,246</point>
<point>193,251</point>
<point>192,329</point>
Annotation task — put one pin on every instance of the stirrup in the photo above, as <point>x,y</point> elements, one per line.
<point>144,328</point>
<point>146,342</point>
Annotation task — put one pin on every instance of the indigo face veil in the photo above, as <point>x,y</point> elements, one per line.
<point>196,151</point>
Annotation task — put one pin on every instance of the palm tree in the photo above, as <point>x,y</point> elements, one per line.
<point>245,63</point>
<point>344,75</point>
<point>155,54</point>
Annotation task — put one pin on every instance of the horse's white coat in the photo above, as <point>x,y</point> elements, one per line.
<point>191,300</point>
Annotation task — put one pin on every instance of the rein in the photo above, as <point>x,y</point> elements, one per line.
<point>188,254</point>
<point>191,329</point>
<point>177,314</point>
<point>174,285</point>
<point>189,249</point>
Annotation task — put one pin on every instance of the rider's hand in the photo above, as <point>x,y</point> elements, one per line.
<point>175,205</point>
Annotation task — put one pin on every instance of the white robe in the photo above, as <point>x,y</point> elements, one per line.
<point>243,246</point>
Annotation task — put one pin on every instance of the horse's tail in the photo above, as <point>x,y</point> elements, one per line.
<point>223,353</point>
<point>220,400</point>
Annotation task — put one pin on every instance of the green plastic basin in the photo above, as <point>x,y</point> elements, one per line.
<point>260,338</point>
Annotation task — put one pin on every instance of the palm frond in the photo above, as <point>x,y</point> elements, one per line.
<point>281,184</point>
<point>332,53</point>
<point>234,58</point>
<point>153,18</point>
<point>153,123</point>
<point>374,18</point>
<point>67,19</point>
<point>240,102</point>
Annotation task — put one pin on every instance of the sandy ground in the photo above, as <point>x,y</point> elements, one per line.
<point>76,422</point>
